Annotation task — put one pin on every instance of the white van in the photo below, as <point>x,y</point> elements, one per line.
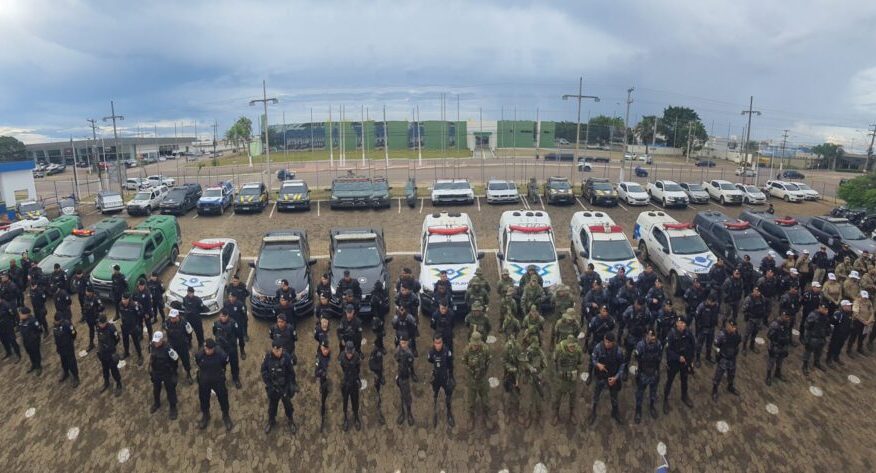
<point>597,239</point>
<point>447,243</point>
<point>526,238</point>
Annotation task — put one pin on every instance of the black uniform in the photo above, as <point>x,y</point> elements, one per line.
<point>748,275</point>
<point>648,356</point>
<point>615,365</point>
<point>350,382</point>
<point>179,337</point>
<point>8,321</point>
<point>791,304</point>
<point>593,300</point>
<point>321,374</point>
<point>585,282</point>
<point>350,331</point>
<point>286,336</point>
<point>58,280</point>
<point>637,323</point>
<point>411,302</point>
<point>288,294</point>
<point>406,326</point>
<point>107,340</point>
<point>693,297</point>
<point>65,337</point>
<point>211,377</point>
<point>597,329</point>
<point>38,300</point>
<point>119,287</point>
<point>405,360</point>
<point>237,312</point>
<point>92,307</point>
<point>228,337</point>
<point>756,312</point>
<point>63,302</point>
<point>163,367</point>
<point>241,291</point>
<point>144,302</point>
<point>732,291</point>
<point>78,286</point>
<point>779,335</point>
<point>442,378</point>
<point>658,295</point>
<point>678,344</point>
<point>842,326</point>
<point>30,331</point>
<point>375,365</point>
<point>351,284</point>
<point>10,292</point>
<point>156,291</point>
<point>443,325</point>
<point>728,345</point>
<point>132,328</point>
<point>664,322</point>
<point>707,320</point>
<point>646,281</point>
<point>810,301</point>
<point>192,308</point>
<point>817,331</point>
<point>280,384</point>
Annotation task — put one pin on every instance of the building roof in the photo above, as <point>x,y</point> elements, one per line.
<point>109,141</point>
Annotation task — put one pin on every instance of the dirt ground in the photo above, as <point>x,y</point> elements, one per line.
<point>782,428</point>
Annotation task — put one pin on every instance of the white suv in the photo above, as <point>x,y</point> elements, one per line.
<point>501,192</point>
<point>597,239</point>
<point>723,191</point>
<point>207,269</point>
<point>526,238</point>
<point>675,249</point>
<point>784,190</point>
<point>668,193</point>
<point>447,243</point>
<point>452,191</point>
<point>632,193</point>
<point>808,192</point>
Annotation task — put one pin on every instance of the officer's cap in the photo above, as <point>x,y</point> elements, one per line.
<point>173,313</point>
<point>814,284</point>
<point>610,337</point>
<point>349,347</point>
<point>210,343</point>
<point>831,276</point>
<point>349,308</point>
<point>346,272</point>
<point>865,294</point>
<point>282,317</point>
<point>190,290</point>
<point>846,302</point>
<point>157,337</point>
<point>101,319</point>
<point>854,275</point>
<point>276,343</point>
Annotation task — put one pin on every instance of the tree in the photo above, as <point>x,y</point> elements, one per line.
<point>645,130</point>
<point>602,128</point>
<point>829,152</point>
<point>240,133</point>
<point>11,149</point>
<point>680,124</point>
<point>858,192</point>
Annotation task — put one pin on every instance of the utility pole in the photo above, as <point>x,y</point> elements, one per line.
<point>93,124</point>
<point>385,143</point>
<point>331,140</point>
<point>580,96</point>
<point>264,101</point>
<point>115,117</point>
<point>215,126</point>
<point>782,158</point>
<point>870,149</point>
<point>687,156</point>
<point>749,112</point>
<point>627,118</point>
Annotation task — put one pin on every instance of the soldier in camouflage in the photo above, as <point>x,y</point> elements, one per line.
<point>508,307</point>
<point>531,273</point>
<point>533,367</point>
<point>567,358</point>
<point>567,325</point>
<point>478,289</point>
<point>512,361</point>
<point>532,294</point>
<point>562,300</point>
<point>534,322</point>
<point>477,361</point>
<point>504,283</point>
<point>477,319</point>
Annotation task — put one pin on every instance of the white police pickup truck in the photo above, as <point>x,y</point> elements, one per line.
<point>207,268</point>
<point>597,239</point>
<point>526,238</point>
<point>447,243</point>
<point>675,249</point>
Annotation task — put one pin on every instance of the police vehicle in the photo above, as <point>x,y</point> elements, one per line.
<point>284,254</point>
<point>526,238</point>
<point>675,249</point>
<point>782,234</point>
<point>216,199</point>
<point>597,239</point>
<point>294,194</point>
<point>834,232</point>
<point>362,251</point>
<point>207,268</point>
<point>84,248</point>
<point>447,243</point>
<point>731,239</point>
<point>452,191</point>
<point>253,197</point>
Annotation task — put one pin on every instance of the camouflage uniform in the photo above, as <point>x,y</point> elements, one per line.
<point>477,320</point>
<point>534,322</point>
<point>567,358</point>
<point>532,295</point>
<point>511,327</point>
<point>508,307</point>
<point>842,269</point>
<point>851,289</point>
<point>532,374</point>
<point>531,273</point>
<point>477,361</point>
<point>504,283</point>
<point>512,361</point>
<point>562,300</point>
<point>567,325</point>
<point>478,289</point>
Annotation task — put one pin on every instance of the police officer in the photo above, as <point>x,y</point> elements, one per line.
<point>790,302</point>
<point>179,337</point>
<point>322,330</point>
<point>285,333</point>
<point>779,336</point>
<point>694,296</point>
<point>119,286</point>
<point>92,308</point>
<point>143,298</point>
<point>237,311</point>
<point>595,298</point>
<point>637,319</point>
<point>58,279</point>
<point>78,285</point>
<point>477,361</point>
<point>379,306</point>
<point>841,320</point>
<point>441,359</point>
<point>107,341</point>
<point>648,353</point>
<point>655,297</point>
<point>665,319</point>
<point>597,330</point>
<point>732,291</point>
<point>608,361</point>
<point>8,321</point>
<point>351,365</point>
<point>350,329</point>
<point>284,308</point>
<point>680,347</point>
<point>278,373</point>
<point>284,293</point>
<point>38,300</point>
<point>212,361</point>
<point>646,280</point>
<point>406,278</point>
<point>63,302</point>
<point>375,365</point>
<point>193,307</point>
<point>707,320</point>
<point>408,299</point>
<point>323,287</point>
<point>240,291</point>
<point>163,367</point>
<point>405,360</point>
<point>442,324</point>
<point>10,291</point>
<point>132,328</point>
<point>323,357</point>
<point>755,309</point>
<point>817,331</point>
<point>65,339</point>
<point>405,325</point>
<point>347,282</point>
<point>156,293</point>
<point>228,336</point>
<point>727,343</point>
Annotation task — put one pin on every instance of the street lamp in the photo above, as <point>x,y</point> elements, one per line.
<point>580,97</point>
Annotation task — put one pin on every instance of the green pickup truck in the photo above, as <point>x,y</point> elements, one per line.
<point>150,246</point>
<point>83,249</point>
<point>39,242</point>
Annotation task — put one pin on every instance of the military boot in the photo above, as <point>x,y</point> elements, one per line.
<point>401,416</point>
<point>154,408</point>
<point>714,392</point>
<point>346,424</point>
<point>592,419</point>
<point>205,419</point>
<point>652,410</point>
<point>556,415</point>
<point>75,381</point>
<point>410,416</point>
<point>226,419</point>
<point>573,419</point>
<point>450,422</point>
<point>106,385</point>
<point>357,423</point>
<point>638,418</point>
<point>615,414</point>
<point>769,378</point>
<point>778,375</point>
<point>269,426</point>
<point>173,414</point>
<point>189,379</point>
<point>118,391</point>
<point>63,377</point>
<point>732,390</point>
<point>665,406</point>
<point>292,427</point>
<point>806,368</point>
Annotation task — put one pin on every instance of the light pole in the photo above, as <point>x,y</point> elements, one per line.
<point>115,117</point>
<point>265,100</point>
<point>580,96</point>
<point>749,112</point>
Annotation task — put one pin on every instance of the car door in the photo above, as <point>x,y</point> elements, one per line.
<point>151,257</point>
<point>659,256</point>
<point>725,245</point>
<point>658,189</point>
<point>229,262</point>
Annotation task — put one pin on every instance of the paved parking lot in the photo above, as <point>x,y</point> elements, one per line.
<point>785,428</point>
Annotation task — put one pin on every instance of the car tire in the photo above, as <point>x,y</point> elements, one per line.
<point>664,202</point>
<point>673,284</point>
<point>643,251</point>
<point>592,201</point>
<point>787,199</point>
<point>174,254</point>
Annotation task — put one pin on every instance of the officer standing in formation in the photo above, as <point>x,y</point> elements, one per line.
<point>351,368</point>
<point>65,340</point>
<point>163,370</point>
<point>278,374</point>
<point>211,362</point>
<point>179,337</point>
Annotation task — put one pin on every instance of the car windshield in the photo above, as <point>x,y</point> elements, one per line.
<point>19,246</point>
<point>213,193</point>
<point>176,194</point>
<point>531,252</point>
<point>749,241</point>
<point>449,252</point>
<point>791,187</point>
<point>850,232</point>
<point>561,185</point>
<point>672,187</point>
<point>30,207</point>
<point>752,190</point>
<point>601,186</point>
<point>125,251</point>
<point>635,188</point>
<point>380,186</point>
<point>800,236</point>
<point>803,187</point>
<point>251,191</point>
<point>460,185</point>
<point>356,255</point>
<point>688,245</point>
<point>612,250</point>
<point>293,189</point>
<point>498,186</point>
<point>71,246</point>
<point>727,186</point>
<point>695,187</point>
<point>201,265</point>
<point>363,185</point>
<point>143,196</point>
<point>281,256</point>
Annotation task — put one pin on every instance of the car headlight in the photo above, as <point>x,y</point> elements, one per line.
<point>553,191</point>
<point>210,298</point>
<point>334,289</point>
<point>303,293</point>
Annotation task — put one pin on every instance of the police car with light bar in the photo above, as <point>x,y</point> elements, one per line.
<point>526,238</point>
<point>731,239</point>
<point>447,243</point>
<point>284,254</point>
<point>598,240</point>
<point>362,251</point>
<point>207,268</point>
<point>675,249</point>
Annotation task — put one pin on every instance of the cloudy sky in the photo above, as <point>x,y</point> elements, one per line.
<point>808,63</point>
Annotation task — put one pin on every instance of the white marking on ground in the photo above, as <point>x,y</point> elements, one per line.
<point>622,206</point>
<point>494,382</point>
<point>317,208</point>
<point>123,455</point>
<point>478,200</point>
<point>491,339</point>
<point>656,207</point>
<point>722,426</point>
<point>504,470</point>
<point>816,391</point>
<point>271,215</point>
<point>795,332</point>
<point>661,448</point>
<point>364,385</point>
<point>541,201</point>
<point>249,277</point>
<point>854,379</point>
<point>209,453</point>
<point>196,216</point>
<point>399,205</point>
<point>122,364</point>
<point>72,433</point>
<point>772,409</point>
<point>599,467</point>
<point>584,376</point>
<point>580,203</point>
<point>759,340</point>
<point>540,468</point>
<point>83,353</point>
<point>634,369</point>
<point>422,202</point>
<point>30,412</point>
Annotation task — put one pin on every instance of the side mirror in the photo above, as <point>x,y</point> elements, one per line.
<point>561,256</point>
<point>500,255</point>
<point>480,254</point>
<point>252,264</point>
<point>582,254</point>
<point>229,267</point>
<point>311,261</point>
<point>666,250</point>
<point>387,259</point>
<point>418,258</point>
<point>830,242</point>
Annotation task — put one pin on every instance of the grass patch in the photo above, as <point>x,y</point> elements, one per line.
<point>323,155</point>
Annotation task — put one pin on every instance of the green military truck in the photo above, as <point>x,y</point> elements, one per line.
<point>83,249</point>
<point>39,242</point>
<point>150,246</point>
